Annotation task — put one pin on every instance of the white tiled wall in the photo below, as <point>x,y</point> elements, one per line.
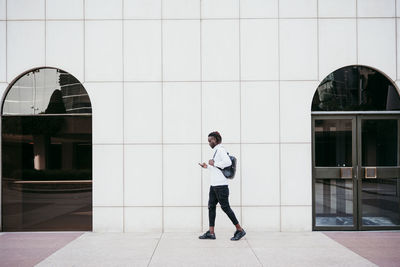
<point>259,49</point>
<point>108,182</point>
<point>221,110</point>
<point>220,50</point>
<point>259,8</point>
<point>142,53</point>
<point>298,49</point>
<point>160,79</point>
<point>139,9</point>
<point>61,9</point>
<point>377,44</point>
<point>26,9</point>
<point>181,50</point>
<point>3,51</point>
<point>260,175</point>
<point>333,54</point>
<point>20,56</point>
<point>376,8</point>
<point>298,8</point>
<point>182,112</point>
<point>337,8</point>
<point>3,9</point>
<point>143,119</point>
<point>103,50</point>
<point>143,175</point>
<point>59,33</point>
<point>143,219</point>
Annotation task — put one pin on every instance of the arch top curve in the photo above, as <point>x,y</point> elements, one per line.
<point>46,91</point>
<point>356,88</point>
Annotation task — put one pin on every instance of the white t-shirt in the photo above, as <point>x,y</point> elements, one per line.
<point>221,160</point>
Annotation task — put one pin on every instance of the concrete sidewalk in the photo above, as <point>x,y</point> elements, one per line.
<point>185,249</point>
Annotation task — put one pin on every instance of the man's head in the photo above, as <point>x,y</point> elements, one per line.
<point>214,138</point>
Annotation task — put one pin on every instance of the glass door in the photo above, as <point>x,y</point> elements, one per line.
<point>334,172</point>
<point>379,169</point>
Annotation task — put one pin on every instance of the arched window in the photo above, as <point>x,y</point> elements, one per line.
<point>46,153</point>
<point>356,88</point>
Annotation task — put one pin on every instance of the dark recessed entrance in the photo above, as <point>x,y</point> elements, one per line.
<point>356,151</point>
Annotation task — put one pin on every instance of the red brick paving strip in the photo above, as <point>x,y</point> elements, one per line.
<point>28,249</point>
<point>381,248</point>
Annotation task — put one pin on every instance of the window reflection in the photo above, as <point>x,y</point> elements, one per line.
<point>355,88</point>
<point>47,154</point>
<point>47,91</point>
<point>333,202</point>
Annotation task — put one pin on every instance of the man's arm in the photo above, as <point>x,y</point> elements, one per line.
<point>223,159</point>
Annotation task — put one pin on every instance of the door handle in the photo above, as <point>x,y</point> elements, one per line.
<point>370,173</point>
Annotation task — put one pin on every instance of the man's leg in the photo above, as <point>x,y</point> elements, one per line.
<point>223,198</point>
<point>212,206</point>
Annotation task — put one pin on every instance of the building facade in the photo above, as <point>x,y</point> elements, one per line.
<point>288,84</point>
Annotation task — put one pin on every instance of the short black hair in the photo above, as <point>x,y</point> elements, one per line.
<point>216,135</point>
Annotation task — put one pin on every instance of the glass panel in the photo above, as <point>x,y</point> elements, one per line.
<point>379,142</point>
<point>333,202</point>
<point>355,88</point>
<point>47,173</point>
<point>380,202</point>
<point>47,91</point>
<point>20,99</point>
<point>333,143</point>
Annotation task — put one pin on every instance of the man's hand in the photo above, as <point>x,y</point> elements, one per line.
<point>211,162</point>
<point>203,165</point>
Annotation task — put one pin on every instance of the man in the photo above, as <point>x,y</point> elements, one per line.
<point>219,191</point>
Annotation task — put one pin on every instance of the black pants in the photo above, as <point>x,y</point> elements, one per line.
<point>220,194</point>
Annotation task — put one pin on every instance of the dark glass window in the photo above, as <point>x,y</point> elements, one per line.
<point>47,154</point>
<point>379,142</point>
<point>333,141</point>
<point>356,88</point>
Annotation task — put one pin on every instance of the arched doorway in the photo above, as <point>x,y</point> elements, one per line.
<point>46,155</point>
<point>356,151</point>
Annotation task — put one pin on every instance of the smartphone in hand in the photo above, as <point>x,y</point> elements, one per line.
<point>203,165</point>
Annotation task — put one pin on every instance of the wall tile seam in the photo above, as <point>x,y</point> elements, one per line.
<point>201,114</point>
<point>240,114</point>
<point>45,33</point>
<point>318,43</point>
<point>2,98</point>
<point>84,42</point>
<point>215,19</point>
<point>6,78</point>
<point>202,206</point>
<point>396,40</point>
<point>123,111</point>
<point>197,144</point>
<point>357,55</point>
<point>162,118</point>
<point>279,117</point>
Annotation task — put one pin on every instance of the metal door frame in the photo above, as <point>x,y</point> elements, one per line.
<point>353,118</point>
<point>356,118</point>
<point>359,166</point>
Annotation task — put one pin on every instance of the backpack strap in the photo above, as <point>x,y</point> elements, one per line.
<point>215,153</point>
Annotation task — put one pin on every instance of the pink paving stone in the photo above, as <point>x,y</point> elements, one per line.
<point>381,248</point>
<point>28,249</point>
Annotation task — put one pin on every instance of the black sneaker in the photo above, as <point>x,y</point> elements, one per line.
<point>238,235</point>
<point>207,235</point>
